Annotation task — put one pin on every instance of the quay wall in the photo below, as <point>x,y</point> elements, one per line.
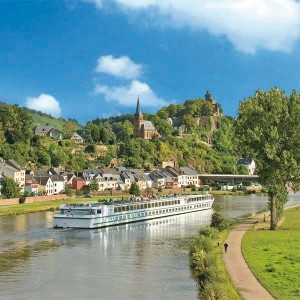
<point>37,199</point>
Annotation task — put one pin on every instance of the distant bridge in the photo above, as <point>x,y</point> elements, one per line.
<point>231,178</point>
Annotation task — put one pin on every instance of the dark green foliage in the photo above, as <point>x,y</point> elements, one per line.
<point>242,170</point>
<point>90,149</point>
<point>218,222</point>
<point>18,142</point>
<point>22,199</point>
<point>44,158</point>
<point>16,124</point>
<point>10,188</point>
<point>85,189</point>
<point>69,192</point>
<point>69,128</point>
<point>224,139</point>
<point>123,131</point>
<point>268,131</point>
<point>134,189</point>
<point>210,232</point>
<point>203,262</point>
<point>79,193</point>
<point>94,186</point>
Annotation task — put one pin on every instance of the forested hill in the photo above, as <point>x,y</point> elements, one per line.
<point>187,141</point>
<point>40,118</point>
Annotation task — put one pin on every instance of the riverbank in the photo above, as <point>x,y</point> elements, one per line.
<point>274,256</point>
<point>207,264</point>
<point>11,210</point>
<point>42,206</point>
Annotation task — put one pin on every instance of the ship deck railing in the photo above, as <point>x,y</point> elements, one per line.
<point>126,202</point>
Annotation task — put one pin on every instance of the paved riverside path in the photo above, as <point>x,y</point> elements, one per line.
<point>241,275</point>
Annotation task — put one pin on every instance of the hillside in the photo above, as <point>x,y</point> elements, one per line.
<point>111,142</point>
<point>45,120</point>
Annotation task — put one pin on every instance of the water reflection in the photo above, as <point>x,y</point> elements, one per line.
<point>16,256</point>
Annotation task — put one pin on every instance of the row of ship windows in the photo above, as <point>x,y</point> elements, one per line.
<point>144,205</point>
<point>156,212</point>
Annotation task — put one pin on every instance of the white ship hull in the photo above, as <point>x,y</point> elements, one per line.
<point>89,221</point>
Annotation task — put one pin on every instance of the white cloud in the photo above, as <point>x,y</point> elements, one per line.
<point>127,95</point>
<point>45,103</point>
<point>122,67</point>
<point>249,24</point>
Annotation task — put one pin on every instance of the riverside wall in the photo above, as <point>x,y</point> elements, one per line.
<point>37,199</point>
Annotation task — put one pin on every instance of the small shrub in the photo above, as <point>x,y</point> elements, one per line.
<point>210,232</point>
<point>270,268</point>
<point>22,200</point>
<point>218,222</point>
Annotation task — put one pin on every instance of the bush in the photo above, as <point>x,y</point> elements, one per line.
<point>79,193</point>
<point>204,264</point>
<point>69,192</point>
<point>210,232</point>
<point>218,222</point>
<point>22,200</point>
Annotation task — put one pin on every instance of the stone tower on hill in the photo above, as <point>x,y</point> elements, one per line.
<point>216,109</point>
<point>142,129</point>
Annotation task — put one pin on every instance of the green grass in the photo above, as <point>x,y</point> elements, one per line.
<point>43,120</point>
<point>274,256</point>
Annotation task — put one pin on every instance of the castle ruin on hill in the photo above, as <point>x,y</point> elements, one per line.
<point>146,130</point>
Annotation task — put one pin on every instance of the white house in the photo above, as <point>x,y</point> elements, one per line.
<point>189,177</point>
<point>58,184</point>
<point>249,163</point>
<point>12,169</point>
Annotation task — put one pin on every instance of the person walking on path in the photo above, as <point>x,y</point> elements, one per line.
<point>225,247</point>
<point>242,277</point>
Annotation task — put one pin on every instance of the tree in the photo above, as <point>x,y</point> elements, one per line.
<point>268,127</point>
<point>10,188</point>
<point>86,189</point>
<point>69,128</point>
<point>16,124</point>
<point>43,157</point>
<point>69,192</point>
<point>242,170</point>
<point>94,186</point>
<point>134,189</point>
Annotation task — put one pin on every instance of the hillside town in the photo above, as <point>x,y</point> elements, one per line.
<point>55,180</point>
<point>52,181</point>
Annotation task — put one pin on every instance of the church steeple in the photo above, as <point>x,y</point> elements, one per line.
<point>138,108</point>
<point>138,120</point>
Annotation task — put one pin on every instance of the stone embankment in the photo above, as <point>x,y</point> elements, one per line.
<point>37,199</point>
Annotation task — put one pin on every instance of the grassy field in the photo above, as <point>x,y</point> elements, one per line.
<point>43,120</point>
<point>274,256</point>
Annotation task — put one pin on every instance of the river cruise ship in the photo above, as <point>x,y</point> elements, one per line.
<point>97,215</point>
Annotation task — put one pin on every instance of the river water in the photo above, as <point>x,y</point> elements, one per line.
<point>147,260</point>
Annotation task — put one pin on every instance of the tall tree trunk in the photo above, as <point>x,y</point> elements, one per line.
<point>273,209</point>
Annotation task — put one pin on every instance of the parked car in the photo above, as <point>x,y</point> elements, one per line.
<point>88,196</point>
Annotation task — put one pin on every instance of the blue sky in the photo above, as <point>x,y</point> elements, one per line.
<point>93,58</point>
